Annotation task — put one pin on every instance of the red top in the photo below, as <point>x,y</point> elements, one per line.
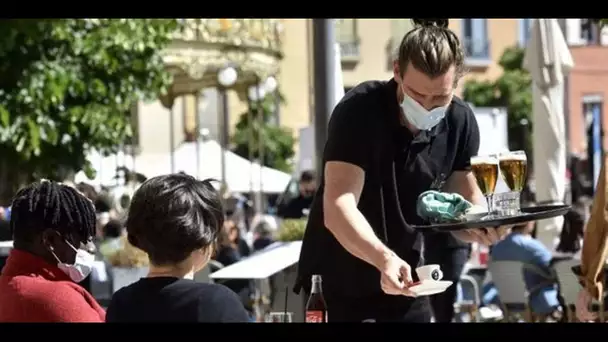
<point>32,290</point>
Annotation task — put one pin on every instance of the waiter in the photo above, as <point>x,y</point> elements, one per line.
<point>387,143</point>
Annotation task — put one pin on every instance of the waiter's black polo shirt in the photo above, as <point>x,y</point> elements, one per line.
<point>365,131</point>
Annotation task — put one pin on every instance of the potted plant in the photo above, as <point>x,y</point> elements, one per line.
<point>291,230</point>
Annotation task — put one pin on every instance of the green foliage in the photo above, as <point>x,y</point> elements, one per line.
<point>278,142</point>
<point>512,90</point>
<point>292,230</point>
<point>68,85</point>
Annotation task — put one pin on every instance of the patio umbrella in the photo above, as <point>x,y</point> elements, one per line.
<point>548,60</point>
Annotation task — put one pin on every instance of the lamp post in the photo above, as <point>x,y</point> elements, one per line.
<point>257,93</point>
<point>226,78</point>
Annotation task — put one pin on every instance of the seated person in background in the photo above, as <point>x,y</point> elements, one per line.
<point>572,232</point>
<point>175,219</point>
<point>53,227</point>
<point>111,242</point>
<point>262,236</point>
<point>295,208</point>
<point>520,246</point>
<point>228,254</point>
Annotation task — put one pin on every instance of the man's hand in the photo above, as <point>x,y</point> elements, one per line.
<point>582,307</point>
<point>396,276</point>
<point>486,237</point>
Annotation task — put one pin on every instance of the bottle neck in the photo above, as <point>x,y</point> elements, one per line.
<point>316,287</point>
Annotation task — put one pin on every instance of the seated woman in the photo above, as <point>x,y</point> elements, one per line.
<point>53,227</point>
<point>175,219</point>
<point>227,254</point>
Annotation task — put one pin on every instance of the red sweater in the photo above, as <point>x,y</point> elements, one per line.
<point>32,290</point>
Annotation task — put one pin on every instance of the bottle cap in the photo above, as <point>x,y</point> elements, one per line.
<point>316,278</point>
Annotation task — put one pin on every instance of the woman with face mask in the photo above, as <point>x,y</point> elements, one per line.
<point>53,227</point>
<point>176,219</point>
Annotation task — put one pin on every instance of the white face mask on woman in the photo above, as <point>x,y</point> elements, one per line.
<point>82,266</point>
<point>420,117</point>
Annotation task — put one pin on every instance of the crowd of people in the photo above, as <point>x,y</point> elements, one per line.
<point>174,225</point>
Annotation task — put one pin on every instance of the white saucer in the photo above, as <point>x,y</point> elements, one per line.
<point>430,287</point>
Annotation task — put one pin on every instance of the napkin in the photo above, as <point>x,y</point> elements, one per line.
<point>442,206</point>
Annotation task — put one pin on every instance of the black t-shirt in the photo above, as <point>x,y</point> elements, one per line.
<point>168,299</point>
<point>365,131</point>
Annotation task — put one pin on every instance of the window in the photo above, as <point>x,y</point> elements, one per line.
<point>592,110</point>
<point>476,42</point>
<point>590,31</point>
<point>346,36</point>
<point>525,28</point>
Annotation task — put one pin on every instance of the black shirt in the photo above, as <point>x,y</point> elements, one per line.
<point>365,131</point>
<point>168,299</point>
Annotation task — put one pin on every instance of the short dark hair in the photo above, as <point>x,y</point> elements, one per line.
<point>307,176</point>
<point>173,215</point>
<point>113,229</point>
<point>432,48</point>
<point>50,205</point>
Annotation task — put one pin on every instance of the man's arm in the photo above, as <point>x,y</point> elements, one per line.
<point>343,186</point>
<point>347,155</point>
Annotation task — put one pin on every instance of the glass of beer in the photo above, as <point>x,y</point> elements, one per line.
<point>513,167</point>
<point>485,169</point>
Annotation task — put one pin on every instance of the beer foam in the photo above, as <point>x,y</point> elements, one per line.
<point>484,160</point>
<point>513,157</point>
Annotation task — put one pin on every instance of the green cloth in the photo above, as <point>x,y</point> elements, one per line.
<point>441,206</point>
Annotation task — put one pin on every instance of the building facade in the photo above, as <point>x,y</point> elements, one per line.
<point>368,47</point>
<point>587,85</point>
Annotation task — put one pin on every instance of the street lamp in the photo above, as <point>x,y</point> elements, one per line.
<point>257,93</point>
<point>226,78</point>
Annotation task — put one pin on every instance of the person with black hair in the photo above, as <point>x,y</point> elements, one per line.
<point>296,207</point>
<point>111,242</point>
<point>175,219</point>
<point>53,227</point>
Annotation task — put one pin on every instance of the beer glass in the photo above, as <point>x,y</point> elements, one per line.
<point>485,169</point>
<point>513,167</point>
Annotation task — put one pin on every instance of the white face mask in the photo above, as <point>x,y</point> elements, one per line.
<point>420,117</point>
<point>82,266</point>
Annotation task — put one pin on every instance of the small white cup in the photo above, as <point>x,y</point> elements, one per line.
<point>429,272</point>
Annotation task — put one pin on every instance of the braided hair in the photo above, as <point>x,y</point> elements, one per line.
<point>50,205</point>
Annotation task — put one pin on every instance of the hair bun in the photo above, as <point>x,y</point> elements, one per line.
<point>442,23</point>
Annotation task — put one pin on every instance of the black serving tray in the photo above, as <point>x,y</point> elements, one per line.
<point>479,221</point>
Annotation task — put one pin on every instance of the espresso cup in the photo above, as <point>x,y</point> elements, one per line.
<point>429,272</point>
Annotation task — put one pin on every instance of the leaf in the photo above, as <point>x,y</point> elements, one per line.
<point>5,117</point>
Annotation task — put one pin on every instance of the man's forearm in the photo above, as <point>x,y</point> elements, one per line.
<point>355,234</point>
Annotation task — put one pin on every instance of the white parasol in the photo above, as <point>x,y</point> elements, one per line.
<point>549,61</point>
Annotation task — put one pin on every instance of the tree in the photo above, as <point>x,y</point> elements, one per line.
<point>278,142</point>
<point>512,90</point>
<point>68,85</point>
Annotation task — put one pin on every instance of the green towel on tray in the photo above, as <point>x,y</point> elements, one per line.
<point>441,206</point>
